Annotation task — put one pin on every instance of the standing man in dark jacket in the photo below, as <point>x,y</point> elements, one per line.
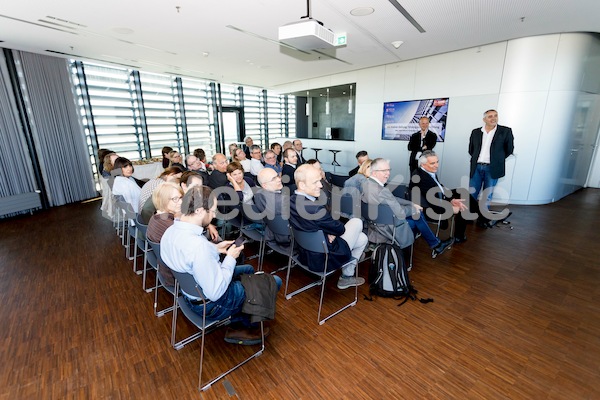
<point>489,146</point>
<point>419,142</point>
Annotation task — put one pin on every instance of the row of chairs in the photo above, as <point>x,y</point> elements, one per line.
<point>315,242</point>
<point>129,226</point>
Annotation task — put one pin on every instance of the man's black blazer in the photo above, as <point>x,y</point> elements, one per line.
<point>414,145</point>
<point>426,183</point>
<point>288,171</point>
<point>339,251</point>
<point>502,147</point>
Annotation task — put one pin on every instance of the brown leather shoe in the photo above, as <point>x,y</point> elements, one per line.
<point>245,336</point>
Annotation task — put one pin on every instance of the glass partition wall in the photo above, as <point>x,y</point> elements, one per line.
<point>326,113</point>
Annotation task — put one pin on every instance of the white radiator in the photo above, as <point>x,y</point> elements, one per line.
<point>19,202</point>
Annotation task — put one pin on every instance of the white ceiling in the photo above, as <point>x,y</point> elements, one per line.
<point>196,38</point>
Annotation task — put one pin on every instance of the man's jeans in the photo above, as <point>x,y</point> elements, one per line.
<point>230,304</point>
<point>482,176</point>
<point>421,225</point>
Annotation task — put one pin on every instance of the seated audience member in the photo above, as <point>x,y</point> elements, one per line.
<point>126,185</point>
<point>176,160</point>
<point>185,249</point>
<point>355,181</point>
<point>217,177</point>
<point>248,142</point>
<point>240,157</point>
<point>271,161</point>
<point>343,241</point>
<point>286,145</point>
<point>170,174</point>
<point>101,154</point>
<point>326,186</point>
<point>232,148</point>
<point>165,153</point>
<point>297,146</point>
<point>188,180</point>
<point>425,178</point>
<point>276,147</point>
<point>256,164</point>
<point>201,155</point>
<point>408,214</point>
<point>270,200</point>
<point>241,184</point>
<point>194,164</point>
<point>289,168</point>
<point>167,200</point>
<point>361,157</point>
<point>108,164</point>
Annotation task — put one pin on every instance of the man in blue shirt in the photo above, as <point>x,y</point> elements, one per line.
<point>184,248</point>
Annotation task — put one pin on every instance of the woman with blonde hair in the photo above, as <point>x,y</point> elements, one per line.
<point>364,172</point>
<point>167,200</point>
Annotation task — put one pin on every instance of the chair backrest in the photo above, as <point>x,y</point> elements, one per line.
<point>311,241</point>
<point>350,203</point>
<point>338,180</point>
<point>278,225</point>
<point>380,214</point>
<point>384,216</point>
<point>142,228</point>
<point>402,192</point>
<point>188,284</point>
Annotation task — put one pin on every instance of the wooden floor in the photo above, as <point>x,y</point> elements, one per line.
<point>516,316</point>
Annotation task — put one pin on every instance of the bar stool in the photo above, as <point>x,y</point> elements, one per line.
<point>317,153</point>
<point>334,160</point>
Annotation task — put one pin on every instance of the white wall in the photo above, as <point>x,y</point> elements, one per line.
<point>546,88</point>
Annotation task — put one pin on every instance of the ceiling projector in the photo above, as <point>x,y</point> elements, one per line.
<point>309,34</point>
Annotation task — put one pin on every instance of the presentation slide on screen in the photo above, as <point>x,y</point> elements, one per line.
<point>401,118</point>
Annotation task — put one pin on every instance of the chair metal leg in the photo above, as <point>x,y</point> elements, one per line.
<point>351,304</point>
<point>210,383</point>
<point>157,285</point>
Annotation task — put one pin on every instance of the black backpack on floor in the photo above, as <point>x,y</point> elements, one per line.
<point>388,276</point>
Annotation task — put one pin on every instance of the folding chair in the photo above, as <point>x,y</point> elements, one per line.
<point>346,205</point>
<point>129,230</point>
<point>141,243</point>
<point>187,284</point>
<point>279,227</point>
<point>160,279</point>
<point>248,229</point>
<point>149,256</point>
<point>384,217</point>
<point>317,243</point>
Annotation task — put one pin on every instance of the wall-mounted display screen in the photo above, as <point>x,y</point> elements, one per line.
<point>401,118</point>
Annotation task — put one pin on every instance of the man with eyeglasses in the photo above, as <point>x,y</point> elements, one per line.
<point>270,200</point>
<point>408,214</point>
<point>271,161</point>
<point>218,177</point>
<point>256,160</point>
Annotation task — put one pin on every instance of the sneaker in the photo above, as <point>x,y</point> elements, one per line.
<point>345,283</point>
<point>245,336</point>
<point>440,248</point>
